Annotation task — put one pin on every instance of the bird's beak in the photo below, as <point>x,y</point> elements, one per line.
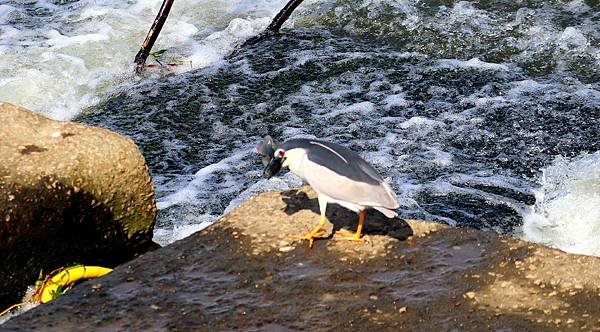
<point>273,167</point>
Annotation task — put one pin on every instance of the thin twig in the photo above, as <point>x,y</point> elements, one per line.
<point>159,21</point>
<point>7,310</point>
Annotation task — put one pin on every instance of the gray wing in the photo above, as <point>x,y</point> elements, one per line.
<point>338,158</point>
<point>342,188</point>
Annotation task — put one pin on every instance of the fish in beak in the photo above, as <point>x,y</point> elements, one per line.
<point>272,157</point>
<point>273,167</point>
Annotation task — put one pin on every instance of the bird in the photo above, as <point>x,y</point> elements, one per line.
<point>337,174</point>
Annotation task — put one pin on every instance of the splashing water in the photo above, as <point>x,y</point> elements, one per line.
<point>459,105</point>
<point>566,214</point>
<point>59,57</point>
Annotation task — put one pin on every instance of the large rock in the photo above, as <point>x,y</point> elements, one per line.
<point>69,193</point>
<point>244,273</point>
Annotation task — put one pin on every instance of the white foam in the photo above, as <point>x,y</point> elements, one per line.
<point>464,11</point>
<point>182,229</point>
<point>439,157</point>
<point>366,108</point>
<point>5,11</point>
<point>187,220</point>
<point>189,193</point>
<point>303,57</point>
<point>37,69</point>
<point>526,86</point>
<point>57,40</point>
<point>568,46</point>
<point>471,63</point>
<point>572,37</point>
<point>567,214</point>
<point>577,7</point>
<point>221,43</point>
<point>420,123</point>
<point>395,100</point>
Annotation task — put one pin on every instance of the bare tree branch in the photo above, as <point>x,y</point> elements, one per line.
<point>276,24</point>
<point>159,21</point>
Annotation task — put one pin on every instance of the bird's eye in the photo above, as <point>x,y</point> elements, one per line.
<point>281,153</point>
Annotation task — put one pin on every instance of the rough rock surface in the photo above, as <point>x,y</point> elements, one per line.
<point>69,193</point>
<point>244,273</point>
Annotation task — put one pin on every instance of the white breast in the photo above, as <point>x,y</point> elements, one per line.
<point>294,160</point>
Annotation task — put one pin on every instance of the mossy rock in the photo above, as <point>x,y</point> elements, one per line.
<point>69,193</point>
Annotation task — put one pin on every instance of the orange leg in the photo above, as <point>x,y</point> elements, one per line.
<point>342,235</point>
<point>317,232</point>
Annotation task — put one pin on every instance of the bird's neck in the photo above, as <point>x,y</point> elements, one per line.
<point>294,160</point>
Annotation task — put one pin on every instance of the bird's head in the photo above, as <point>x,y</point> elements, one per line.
<point>272,157</point>
<point>275,164</point>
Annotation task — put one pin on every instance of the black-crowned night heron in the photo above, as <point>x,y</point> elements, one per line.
<point>336,174</point>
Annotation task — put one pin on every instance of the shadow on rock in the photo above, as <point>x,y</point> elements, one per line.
<point>52,225</point>
<point>341,218</point>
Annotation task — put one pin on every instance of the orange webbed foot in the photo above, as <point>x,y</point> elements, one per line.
<point>316,233</point>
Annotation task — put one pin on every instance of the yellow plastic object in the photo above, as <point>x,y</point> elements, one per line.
<point>66,277</point>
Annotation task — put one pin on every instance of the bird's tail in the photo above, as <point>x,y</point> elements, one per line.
<point>387,212</point>
<point>391,196</point>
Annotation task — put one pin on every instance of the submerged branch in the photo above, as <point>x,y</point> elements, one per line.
<point>161,17</point>
<point>276,24</point>
<point>159,21</point>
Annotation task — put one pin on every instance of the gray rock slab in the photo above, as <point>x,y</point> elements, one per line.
<point>245,273</point>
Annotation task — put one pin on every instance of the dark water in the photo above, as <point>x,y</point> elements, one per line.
<point>460,105</point>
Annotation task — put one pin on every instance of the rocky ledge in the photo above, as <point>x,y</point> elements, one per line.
<point>244,273</point>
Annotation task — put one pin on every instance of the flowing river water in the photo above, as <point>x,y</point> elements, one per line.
<point>479,114</point>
